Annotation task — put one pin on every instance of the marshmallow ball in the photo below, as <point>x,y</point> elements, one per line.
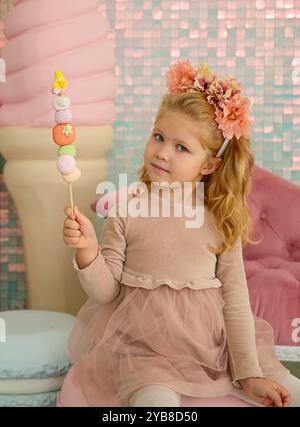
<point>67,149</point>
<point>73,176</point>
<point>63,116</point>
<point>66,164</point>
<point>61,102</point>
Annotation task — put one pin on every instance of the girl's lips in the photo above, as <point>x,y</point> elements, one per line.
<point>158,169</point>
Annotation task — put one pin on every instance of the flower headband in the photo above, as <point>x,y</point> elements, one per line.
<point>225,95</point>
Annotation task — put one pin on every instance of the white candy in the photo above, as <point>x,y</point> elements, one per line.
<point>61,102</point>
<point>71,177</point>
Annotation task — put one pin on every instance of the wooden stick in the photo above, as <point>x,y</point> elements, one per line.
<point>71,196</point>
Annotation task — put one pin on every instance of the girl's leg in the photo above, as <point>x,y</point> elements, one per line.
<point>154,395</point>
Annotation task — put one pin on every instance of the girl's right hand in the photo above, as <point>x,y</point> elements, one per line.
<point>78,231</point>
<point>266,392</point>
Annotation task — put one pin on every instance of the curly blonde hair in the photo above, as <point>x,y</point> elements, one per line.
<point>227,188</point>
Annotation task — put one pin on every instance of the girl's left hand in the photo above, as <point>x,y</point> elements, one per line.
<point>266,392</point>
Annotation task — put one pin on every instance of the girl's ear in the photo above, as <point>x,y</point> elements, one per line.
<point>211,165</point>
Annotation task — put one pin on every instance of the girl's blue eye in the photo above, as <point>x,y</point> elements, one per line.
<point>156,134</point>
<point>179,145</point>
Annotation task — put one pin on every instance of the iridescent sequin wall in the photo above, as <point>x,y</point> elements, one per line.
<point>258,42</point>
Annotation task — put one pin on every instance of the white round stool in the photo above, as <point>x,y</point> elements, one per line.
<point>33,356</point>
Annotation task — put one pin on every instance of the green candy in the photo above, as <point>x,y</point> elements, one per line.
<point>67,149</point>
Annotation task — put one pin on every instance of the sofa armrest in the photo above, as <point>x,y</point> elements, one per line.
<point>274,205</point>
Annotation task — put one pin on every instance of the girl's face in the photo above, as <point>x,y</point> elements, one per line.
<point>175,146</point>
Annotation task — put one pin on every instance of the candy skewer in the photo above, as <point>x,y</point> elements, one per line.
<point>71,196</point>
<point>64,134</point>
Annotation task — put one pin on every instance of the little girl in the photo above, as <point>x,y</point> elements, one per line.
<point>168,312</point>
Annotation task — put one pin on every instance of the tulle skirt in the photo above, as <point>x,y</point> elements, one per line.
<point>158,336</point>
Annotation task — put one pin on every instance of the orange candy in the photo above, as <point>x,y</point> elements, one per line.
<point>64,134</point>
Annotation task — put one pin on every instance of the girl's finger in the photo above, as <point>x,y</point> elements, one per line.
<point>82,219</point>
<point>275,396</point>
<point>72,240</point>
<point>69,212</point>
<point>72,233</point>
<point>70,223</point>
<point>285,396</point>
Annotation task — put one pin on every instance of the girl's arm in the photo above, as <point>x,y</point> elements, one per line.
<point>238,316</point>
<point>101,278</point>
<point>84,257</point>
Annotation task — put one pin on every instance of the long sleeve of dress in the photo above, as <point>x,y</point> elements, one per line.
<point>101,278</point>
<point>238,316</point>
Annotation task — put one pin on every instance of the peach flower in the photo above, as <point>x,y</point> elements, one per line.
<point>180,77</point>
<point>231,107</point>
<point>233,118</point>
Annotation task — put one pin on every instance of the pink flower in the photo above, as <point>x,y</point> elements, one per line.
<point>233,118</point>
<point>204,78</point>
<point>231,107</point>
<point>180,76</point>
<point>220,91</point>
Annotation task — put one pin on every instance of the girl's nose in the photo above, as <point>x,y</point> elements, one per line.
<point>163,152</point>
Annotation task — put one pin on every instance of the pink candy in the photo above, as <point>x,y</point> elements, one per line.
<point>63,116</point>
<point>66,164</point>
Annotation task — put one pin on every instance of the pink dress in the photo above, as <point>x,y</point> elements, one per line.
<point>163,309</point>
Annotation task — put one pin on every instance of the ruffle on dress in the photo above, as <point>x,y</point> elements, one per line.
<point>158,336</point>
<point>135,279</point>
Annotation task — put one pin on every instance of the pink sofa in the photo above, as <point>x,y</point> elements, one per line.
<point>273,266</point>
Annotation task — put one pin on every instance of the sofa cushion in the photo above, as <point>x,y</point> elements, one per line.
<point>274,290</point>
<point>290,358</point>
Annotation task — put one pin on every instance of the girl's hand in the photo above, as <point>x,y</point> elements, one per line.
<point>266,392</point>
<point>78,231</point>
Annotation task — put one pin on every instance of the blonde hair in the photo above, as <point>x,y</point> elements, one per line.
<point>227,188</point>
